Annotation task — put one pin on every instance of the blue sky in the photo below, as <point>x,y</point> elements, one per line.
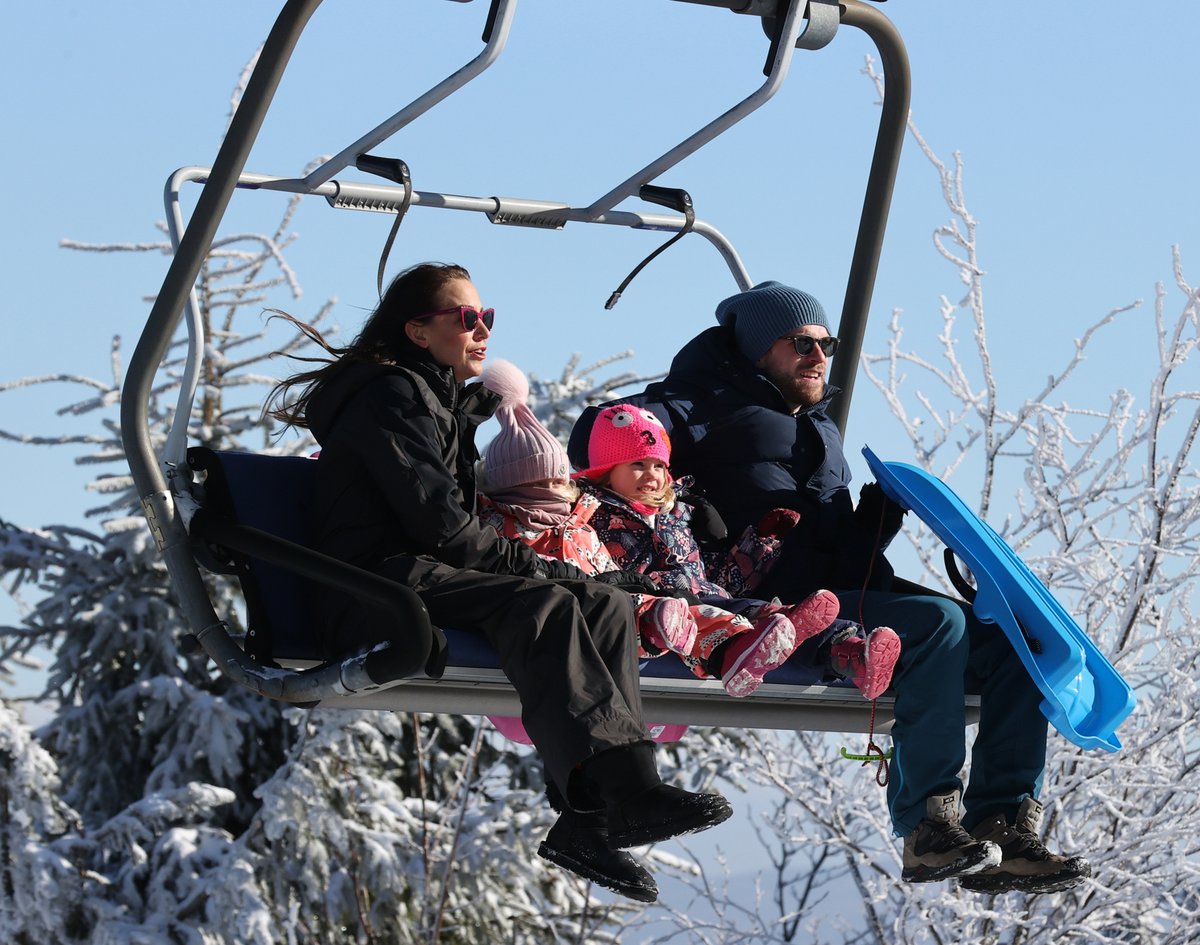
<point>1076,123</point>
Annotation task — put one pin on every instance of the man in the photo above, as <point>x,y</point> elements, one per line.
<point>745,404</point>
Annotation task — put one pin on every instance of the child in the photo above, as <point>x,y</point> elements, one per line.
<point>645,528</point>
<point>527,495</point>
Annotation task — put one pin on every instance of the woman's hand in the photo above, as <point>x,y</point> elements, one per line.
<point>558,571</point>
<point>632,581</point>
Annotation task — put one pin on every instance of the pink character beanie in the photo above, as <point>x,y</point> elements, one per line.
<point>624,433</point>
<point>524,450</point>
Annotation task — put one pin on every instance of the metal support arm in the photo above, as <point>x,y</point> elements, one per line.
<point>864,264</point>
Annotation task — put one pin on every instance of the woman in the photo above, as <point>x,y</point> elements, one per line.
<point>395,494</point>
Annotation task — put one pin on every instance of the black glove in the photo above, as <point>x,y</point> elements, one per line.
<point>559,571</point>
<point>707,525</point>
<point>632,581</point>
<point>877,514</point>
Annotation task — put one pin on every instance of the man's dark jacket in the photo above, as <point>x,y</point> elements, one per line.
<point>731,429</point>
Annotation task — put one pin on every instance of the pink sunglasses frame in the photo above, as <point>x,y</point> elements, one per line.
<point>487,316</point>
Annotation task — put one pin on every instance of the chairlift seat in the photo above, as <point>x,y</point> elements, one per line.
<point>270,493</point>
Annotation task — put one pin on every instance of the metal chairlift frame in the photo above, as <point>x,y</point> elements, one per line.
<point>164,483</point>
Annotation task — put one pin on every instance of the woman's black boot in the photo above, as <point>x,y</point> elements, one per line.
<point>641,809</point>
<point>578,842</point>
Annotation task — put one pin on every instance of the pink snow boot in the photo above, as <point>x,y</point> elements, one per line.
<point>668,624</point>
<point>753,653</point>
<point>870,662</point>
<point>812,615</point>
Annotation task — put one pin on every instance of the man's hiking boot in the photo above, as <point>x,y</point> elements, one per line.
<point>939,848</point>
<point>1027,865</point>
<point>578,842</point>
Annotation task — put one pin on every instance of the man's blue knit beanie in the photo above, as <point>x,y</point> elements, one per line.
<point>765,313</point>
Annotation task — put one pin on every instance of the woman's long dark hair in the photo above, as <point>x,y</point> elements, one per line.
<point>381,340</point>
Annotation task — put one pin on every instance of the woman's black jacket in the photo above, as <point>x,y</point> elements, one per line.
<point>396,475</point>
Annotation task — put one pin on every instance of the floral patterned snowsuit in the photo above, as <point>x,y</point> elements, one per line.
<point>574,541</point>
<point>663,548</point>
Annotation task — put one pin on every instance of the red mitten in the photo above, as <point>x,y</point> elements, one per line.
<point>777,523</point>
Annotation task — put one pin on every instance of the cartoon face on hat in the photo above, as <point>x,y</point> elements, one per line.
<point>625,433</point>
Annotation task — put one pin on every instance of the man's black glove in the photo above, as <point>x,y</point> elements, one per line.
<point>707,525</point>
<point>558,571</point>
<point>877,514</point>
<point>632,581</point>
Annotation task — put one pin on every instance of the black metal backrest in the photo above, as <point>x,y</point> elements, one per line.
<point>271,494</point>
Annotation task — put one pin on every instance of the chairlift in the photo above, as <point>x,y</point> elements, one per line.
<point>243,513</point>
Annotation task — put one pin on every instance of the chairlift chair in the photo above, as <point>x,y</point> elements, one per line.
<point>241,513</point>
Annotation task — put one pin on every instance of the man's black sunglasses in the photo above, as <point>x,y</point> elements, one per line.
<point>804,344</point>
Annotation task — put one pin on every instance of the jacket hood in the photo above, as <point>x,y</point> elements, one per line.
<point>331,396</point>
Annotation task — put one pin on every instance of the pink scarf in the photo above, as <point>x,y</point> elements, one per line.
<point>533,506</point>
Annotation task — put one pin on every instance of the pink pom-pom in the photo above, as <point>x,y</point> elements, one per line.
<point>507,380</point>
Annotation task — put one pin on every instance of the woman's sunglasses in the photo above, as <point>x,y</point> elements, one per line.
<point>469,317</point>
<point>804,344</point>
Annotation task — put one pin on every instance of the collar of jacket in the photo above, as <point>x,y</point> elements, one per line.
<point>608,497</point>
<point>473,401</point>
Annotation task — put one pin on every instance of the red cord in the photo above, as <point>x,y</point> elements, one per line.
<point>873,751</point>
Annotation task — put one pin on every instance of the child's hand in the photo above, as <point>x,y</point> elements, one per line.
<point>777,523</point>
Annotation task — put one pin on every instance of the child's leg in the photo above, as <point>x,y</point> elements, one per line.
<point>715,628</point>
<point>815,613</point>
<point>738,650</point>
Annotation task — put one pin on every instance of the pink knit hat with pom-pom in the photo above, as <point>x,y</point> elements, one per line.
<point>624,433</point>
<point>524,450</point>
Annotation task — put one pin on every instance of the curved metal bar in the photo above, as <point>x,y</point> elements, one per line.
<point>497,37</point>
<point>719,125</point>
<point>507,211</point>
<point>175,451</point>
<point>881,182</point>
<point>157,502</point>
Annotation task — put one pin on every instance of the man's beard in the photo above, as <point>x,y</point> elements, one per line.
<point>801,392</point>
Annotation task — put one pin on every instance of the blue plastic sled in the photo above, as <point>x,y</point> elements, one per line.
<point>1085,698</point>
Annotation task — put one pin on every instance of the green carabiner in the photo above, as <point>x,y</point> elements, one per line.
<point>885,756</point>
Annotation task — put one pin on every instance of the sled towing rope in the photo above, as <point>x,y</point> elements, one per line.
<point>240,513</point>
